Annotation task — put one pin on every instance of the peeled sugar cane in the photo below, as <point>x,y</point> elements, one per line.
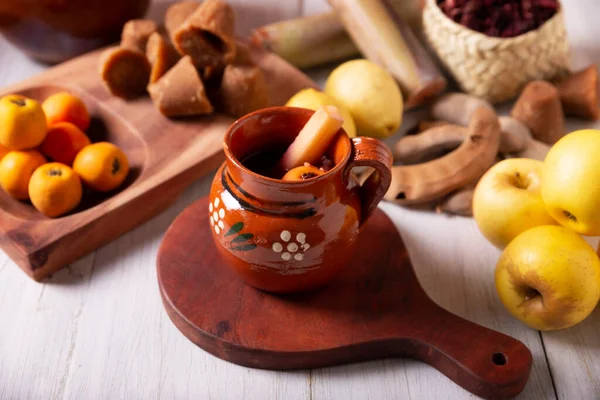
<point>384,38</point>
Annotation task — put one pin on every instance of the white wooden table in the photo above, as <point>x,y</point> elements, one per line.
<point>97,330</point>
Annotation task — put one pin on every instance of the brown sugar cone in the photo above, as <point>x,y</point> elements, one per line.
<point>539,108</point>
<point>243,56</point>
<point>161,54</point>
<point>207,35</point>
<point>125,71</point>
<point>177,13</point>
<point>136,33</point>
<point>180,91</point>
<point>579,94</point>
<point>212,72</point>
<point>243,90</point>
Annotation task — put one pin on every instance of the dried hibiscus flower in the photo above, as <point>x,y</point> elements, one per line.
<point>500,18</point>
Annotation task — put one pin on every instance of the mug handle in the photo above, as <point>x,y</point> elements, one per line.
<point>369,152</point>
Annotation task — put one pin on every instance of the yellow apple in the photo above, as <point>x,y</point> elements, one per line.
<point>313,100</point>
<point>571,181</point>
<point>549,278</point>
<point>507,200</point>
<point>370,94</point>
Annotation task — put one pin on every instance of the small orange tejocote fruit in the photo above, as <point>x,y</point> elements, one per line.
<point>63,141</point>
<point>65,107</point>
<point>55,189</point>
<point>16,169</point>
<point>301,173</point>
<point>22,122</point>
<point>102,166</point>
<point>3,151</point>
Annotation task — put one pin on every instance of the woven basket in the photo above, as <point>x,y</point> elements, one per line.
<point>496,69</point>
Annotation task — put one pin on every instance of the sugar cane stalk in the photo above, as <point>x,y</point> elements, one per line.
<point>384,38</point>
<point>308,41</point>
<point>319,39</point>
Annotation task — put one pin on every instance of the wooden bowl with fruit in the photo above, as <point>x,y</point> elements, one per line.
<point>56,158</point>
<point>90,155</point>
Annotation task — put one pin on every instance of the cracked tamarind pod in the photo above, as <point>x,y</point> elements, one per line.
<point>136,33</point>
<point>125,72</point>
<point>207,35</point>
<point>180,92</point>
<point>422,183</point>
<point>161,54</point>
<point>458,203</point>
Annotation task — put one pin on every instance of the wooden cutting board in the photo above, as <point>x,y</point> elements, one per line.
<point>376,308</point>
<point>166,155</point>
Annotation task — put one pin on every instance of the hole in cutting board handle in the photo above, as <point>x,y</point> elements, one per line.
<point>499,359</point>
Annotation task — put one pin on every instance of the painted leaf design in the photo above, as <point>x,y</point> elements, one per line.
<point>242,237</point>
<point>244,247</point>
<point>238,226</point>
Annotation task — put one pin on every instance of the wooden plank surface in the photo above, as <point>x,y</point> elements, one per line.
<point>97,330</point>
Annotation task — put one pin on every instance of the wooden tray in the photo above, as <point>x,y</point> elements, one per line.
<point>165,156</point>
<point>375,309</point>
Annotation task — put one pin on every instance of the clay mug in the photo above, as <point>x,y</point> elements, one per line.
<point>291,236</point>
<point>53,31</point>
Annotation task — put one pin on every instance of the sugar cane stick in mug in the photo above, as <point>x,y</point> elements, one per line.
<point>313,139</point>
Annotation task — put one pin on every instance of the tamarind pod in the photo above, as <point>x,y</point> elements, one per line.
<point>457,108</point>
<point>424,125</point>
<point>458,203</point>
<point>520,133</point>
<point>414,184</point>
<point>535,149</point>
<point>423,146</point>
<point>514,137</point>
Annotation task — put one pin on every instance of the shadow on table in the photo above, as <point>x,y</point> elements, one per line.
<point>151,231</point>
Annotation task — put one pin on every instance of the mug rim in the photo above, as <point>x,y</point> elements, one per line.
<point>283,110</point>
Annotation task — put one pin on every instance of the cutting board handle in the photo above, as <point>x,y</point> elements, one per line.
<point>485,362</point>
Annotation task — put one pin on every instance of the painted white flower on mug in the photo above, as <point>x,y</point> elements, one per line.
<point>217,213</point>
<point>291,249</point>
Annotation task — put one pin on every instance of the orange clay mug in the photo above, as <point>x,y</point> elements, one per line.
<point>291,236</point>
